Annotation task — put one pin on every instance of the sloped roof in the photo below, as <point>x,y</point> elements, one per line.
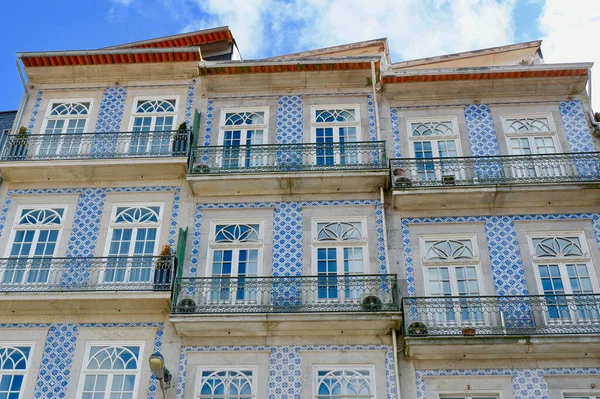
<point>188,39</point>
<point>366,48</point>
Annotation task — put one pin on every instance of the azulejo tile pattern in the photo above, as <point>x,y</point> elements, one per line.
<point>189,101</point>
<point>112,107</point>
<point>209,122</point>
<point>395,132</point>
<point>289,120</point>
<point>480,127</point>
<point>285,366</point>
<point>86,224</point>
<point>287,232</point>
<point>57,357</point>
<point>371,118</point>
<point>503,248</point>
<point>35,111</point>
<point>574,121</point>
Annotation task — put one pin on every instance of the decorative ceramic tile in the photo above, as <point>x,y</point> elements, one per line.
<point>209,122</point>
<point>289,120</point>
<point>35,111</point>
<point>576,126</point>
<point>395,132</point>
<point>480,127</point>
<point>189,102</point>
<point>371,118</point>
<point>285,366</point>
<point>503,248</point>
<point>529,384</point>
<point>111,110</point>
<point>287,231</point>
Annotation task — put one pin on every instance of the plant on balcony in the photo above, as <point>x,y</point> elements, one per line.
<point>180,140</point>
<point>468,331</point>
<point>19,146</point>
<point>162,269</point>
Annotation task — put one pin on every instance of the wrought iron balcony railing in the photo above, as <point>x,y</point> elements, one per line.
<point>298,294</point>
<point>503,169</point>
<point>288,157</point>
<point>137,273</point>
<point>155,144</point>
<point>501,315</point>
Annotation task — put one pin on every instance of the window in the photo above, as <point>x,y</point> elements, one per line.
<point>64,124</point>
<point>32,246</point>
<point>240,130</point>
<point>110,371</point>
<point>235,255</point>
<point>344,383</point>
<point>133,234</point>
<point>531,135</point>
<point>153,123</point>
<point>470,397</point>
<point>431,139</point>
<point>333,129</point>
<point>14,364</point>
<point>226,384</point>
<point>582,397</point>
<point>565,275</point>
<point>340,248</point>
<point>452,270</point>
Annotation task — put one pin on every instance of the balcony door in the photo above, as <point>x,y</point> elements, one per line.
<point>340,249</point>
<point>235,258</point>
<point>566,279</point>
<point>452,270</point>
<point>240,130</point>
<point>533,137</point>
<point>152,129</point>
<point>34,242</point>
<point>64,125</point>
<point>132,246</point>
<point>335,131</point>
<point>431,141</point>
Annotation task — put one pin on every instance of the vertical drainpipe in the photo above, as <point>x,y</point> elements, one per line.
<point>23,100</point>
<point>592,116</point>
<point>396,371</point>
<point>373,77</point>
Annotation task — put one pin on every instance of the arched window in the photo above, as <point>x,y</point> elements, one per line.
<point>344,383</point>
<point>332,127</point>
<point>153,123</point>
<point>226,384</point>
<point>133,242</point>
<point>64,123</point>
<point>110,371</point>
<point>33,245</point>
<point>240,130</point>
<point>14,363</point>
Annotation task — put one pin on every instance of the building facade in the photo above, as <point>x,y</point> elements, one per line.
<point>326,224</point>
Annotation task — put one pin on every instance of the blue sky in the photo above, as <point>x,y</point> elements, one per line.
<point>414,28</point>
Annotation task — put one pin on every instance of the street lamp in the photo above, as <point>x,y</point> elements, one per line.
<point>160,372</point>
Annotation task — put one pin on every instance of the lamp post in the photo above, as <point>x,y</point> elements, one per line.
<point>160,372</point>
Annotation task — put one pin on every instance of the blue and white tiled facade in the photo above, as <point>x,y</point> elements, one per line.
<point>36,110</point>
<point>112,108</point>
<point>480,127</point>
<point>289,120</point>
<point>576,127</point>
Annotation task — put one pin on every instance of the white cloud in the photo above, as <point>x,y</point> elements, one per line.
<point>415,28</point>
<point>570,30</point>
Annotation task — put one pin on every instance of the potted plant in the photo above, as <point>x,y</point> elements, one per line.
<point>180,140</point>
<point>18,148</point>
<point>163,269</point>
<point>468,331</point>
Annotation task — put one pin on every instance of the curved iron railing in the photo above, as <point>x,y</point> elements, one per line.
<point>171,143</point>
<point>492,170</point>
<point>293,294</point>
<point>135,273</point>
<point>501,315</point>
<point>288,157</point>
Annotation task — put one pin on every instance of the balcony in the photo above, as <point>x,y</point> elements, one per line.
<point>102,156</point>
<point>356,304</point>
<point>497,181</point>
<point>289,168</point>
<point>139,284</point>
<point>504,326</point>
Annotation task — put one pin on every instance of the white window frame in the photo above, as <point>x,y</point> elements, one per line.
<point>582,396</point>
<point>25,374</point>
<point>561,262</point>
<point>137,99</point>
<point>335,367</point>
<point>469,396</point>
<point>451,265</point>
<point>16,227</point>
<point>336,135</point>
<point>552,133</point>
<point>83,147</point>
<point>216,368</point>
<point>339,245</point>
<point>243,128</point>
<point>86,357</point>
